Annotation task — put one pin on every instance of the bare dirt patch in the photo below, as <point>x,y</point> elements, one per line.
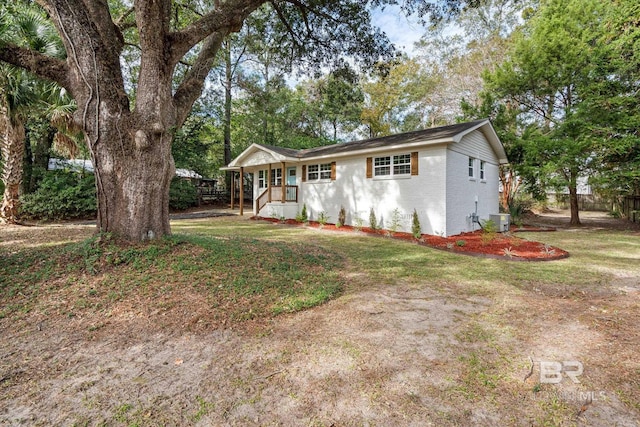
<point>441,353</point>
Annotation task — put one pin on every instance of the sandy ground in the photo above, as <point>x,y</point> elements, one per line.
<point>401,356</point>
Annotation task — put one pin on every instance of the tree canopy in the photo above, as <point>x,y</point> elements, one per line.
<point>130,111</point>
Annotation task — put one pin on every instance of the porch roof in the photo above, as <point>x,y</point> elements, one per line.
<point>438,135</point>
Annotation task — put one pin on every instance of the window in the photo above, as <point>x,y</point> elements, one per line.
<point>319,172</point>
<point>392,165</point>
<point>402,164</point>
<point>481,170</point>
<point>312,172</point>
<point>382,166</point>
<point>276,177</point>
<point>262,179</point>
<point>325,171</point>
<point>472,171</point>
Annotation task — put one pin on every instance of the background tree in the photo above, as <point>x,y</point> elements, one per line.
<point>612,103</point>
<point>545,75</point>
<point>16,94</point>
<point>22,94</point>
<point>389,95</point>
<point>341,100</point>
<point>453,55</point>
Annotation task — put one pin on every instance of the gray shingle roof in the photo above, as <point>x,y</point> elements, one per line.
<point>431,134</point>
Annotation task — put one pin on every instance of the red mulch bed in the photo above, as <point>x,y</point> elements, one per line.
<point>505,246</point>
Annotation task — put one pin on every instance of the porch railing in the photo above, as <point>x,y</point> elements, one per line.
<point>290,195</point>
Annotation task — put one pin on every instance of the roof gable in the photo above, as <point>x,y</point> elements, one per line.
<point>258,154</point>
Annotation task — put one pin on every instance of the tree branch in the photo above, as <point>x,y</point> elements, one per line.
<point>225,18</point>
<point>191,87</point>
<point>122,23</point>
<point>284,21</point>
<point>41,65</point>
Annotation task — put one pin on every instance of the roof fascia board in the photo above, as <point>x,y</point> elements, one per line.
<point>396,147</point>
<point>489,132</point>
<point>237,162</point>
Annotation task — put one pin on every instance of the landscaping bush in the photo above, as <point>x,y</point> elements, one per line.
<point>182,194</point>
<point>61,195</point>
<point>373,222</point>
<point>520,205</point>
<point>302,216</point>
<point>342,217</point>
<point>416,229</point>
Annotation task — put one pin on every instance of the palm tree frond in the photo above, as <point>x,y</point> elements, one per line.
<point>65,145</point>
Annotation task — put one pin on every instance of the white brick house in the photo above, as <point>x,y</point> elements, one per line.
<point>447,174</point>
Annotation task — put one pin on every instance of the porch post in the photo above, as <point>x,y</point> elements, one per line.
<point>269,183</point>
<point>241,190</point>
<point>233,187</point>
<point>283,182</point>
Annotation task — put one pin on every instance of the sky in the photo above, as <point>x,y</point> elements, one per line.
<point>402,31</point>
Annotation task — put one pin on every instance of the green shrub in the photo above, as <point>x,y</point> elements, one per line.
<point>489,231</point>
<point>342,217</point>
<point>182,194</point>
<point>357,223</point>
<point>61,195</point>
<point>302,216</point>
<point>373,222</point>
<point>519,206</point>
<point>416,228</point>
<point>323,218</point>
<point>396,221</point>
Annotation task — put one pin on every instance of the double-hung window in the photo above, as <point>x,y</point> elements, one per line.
<point>325,171</point>
<point>402,164</point>
<point>482,175</point>
<point>399,165</point>
<point>313,172</point>
<point>262,179</point>
<point>318,172</point>
<point>382,166</point>
<point>392,165</point>
<point>472,168</point>
<point>276,177</point>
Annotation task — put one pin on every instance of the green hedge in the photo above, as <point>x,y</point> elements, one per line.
<point>182,194</point>
<point>68,195</point>
<point>61,195</point>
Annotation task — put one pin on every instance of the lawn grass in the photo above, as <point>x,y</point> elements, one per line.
<point>214,272</point>
<point>244,277</point>
<point>287,268</point>
<point>595,258</point>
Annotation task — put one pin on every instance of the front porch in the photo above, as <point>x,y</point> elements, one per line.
<point>279,201</point>
<point>274,174</point>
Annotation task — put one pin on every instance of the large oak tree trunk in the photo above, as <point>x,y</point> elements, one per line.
<point>131,148</point>
<point>12,136</point>
<point>132,182</point>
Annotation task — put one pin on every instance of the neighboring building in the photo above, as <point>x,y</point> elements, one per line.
<point>449,175</point>
<point>588,199</point>
<point>85,165</point>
